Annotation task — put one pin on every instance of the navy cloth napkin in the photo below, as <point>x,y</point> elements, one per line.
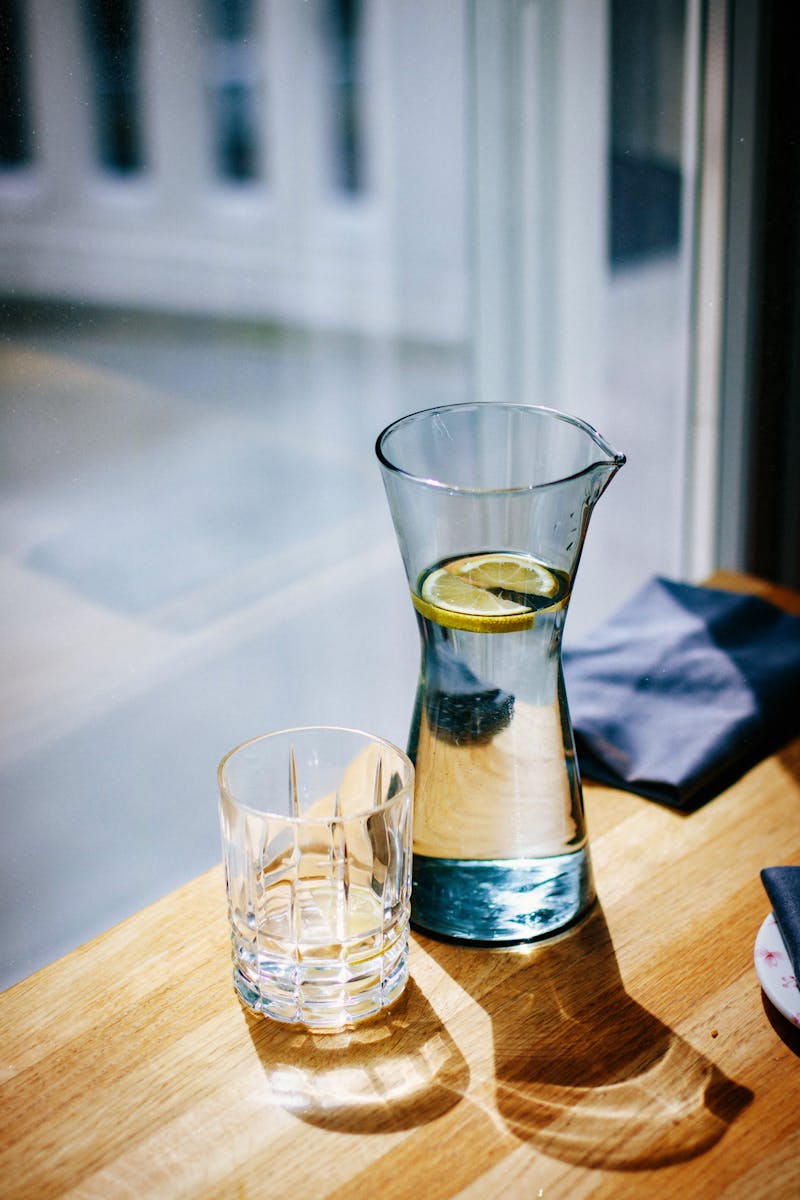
<point>782,885</point>
<point>682,690</point>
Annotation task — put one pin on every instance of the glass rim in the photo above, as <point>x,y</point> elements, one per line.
<point>614,457</point>
<point>289,819</point>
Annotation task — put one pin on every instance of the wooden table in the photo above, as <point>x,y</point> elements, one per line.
<point>635,1056</point>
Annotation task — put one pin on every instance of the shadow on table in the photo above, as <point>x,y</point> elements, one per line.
<point>789,759</point>
<point>786,1031</point>
<point>582,1071</point>
<point>397,1072</point>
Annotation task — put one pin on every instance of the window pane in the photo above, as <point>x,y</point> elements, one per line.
<point>194,542</point>
<point>235,91</point>
<point>343,48</point>
<point>647,85</point>
<point>584,267</point>
<point>15,133</point>
<point>113,38</point>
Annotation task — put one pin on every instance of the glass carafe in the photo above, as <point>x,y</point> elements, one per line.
<point>491,503</point>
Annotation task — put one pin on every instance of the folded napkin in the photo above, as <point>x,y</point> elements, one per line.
<point>782,885</point>
<point>683,690</point>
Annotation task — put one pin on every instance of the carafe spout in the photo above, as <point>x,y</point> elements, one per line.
<point>605,471</point>
<point>605,466</point>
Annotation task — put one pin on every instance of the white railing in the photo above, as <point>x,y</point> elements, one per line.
<point>289,247</point>
<point>483,218</point>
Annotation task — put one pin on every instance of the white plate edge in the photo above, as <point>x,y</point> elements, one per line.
<point>785,998</point>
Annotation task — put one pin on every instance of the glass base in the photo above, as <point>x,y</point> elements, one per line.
<point>323,995</point>
<point>500,901</point>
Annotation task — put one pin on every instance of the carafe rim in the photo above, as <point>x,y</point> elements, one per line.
<point>613,459</point>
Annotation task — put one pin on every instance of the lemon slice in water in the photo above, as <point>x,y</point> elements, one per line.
<point>450,600</point>
<point>506,572</point>
<point>489,592</point>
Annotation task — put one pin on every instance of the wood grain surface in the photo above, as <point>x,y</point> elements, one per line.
<point>634,1056</point>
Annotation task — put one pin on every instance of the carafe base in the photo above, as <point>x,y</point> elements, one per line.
<point>494,901</point>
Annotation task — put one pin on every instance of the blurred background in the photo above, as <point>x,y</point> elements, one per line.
<point>237,238</point>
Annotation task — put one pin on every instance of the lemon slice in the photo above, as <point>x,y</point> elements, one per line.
<point>490,592</point>
<point>450,600</point>
<point>508,572</point>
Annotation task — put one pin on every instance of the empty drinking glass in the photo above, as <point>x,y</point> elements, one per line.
<point>316,835</point>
